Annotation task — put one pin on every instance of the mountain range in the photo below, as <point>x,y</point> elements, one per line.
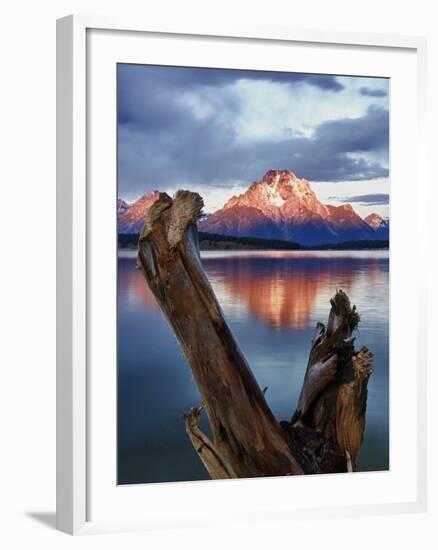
<point>279,206</point>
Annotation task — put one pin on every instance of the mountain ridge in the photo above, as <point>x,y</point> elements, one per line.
<point>278,206</point>
<point>131,219</point>
<point>291,211</point>
<point>379,224</point>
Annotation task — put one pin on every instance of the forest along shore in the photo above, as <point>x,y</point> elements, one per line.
<point>214,241</point>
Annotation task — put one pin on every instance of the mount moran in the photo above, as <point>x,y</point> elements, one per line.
<point>279,206</point>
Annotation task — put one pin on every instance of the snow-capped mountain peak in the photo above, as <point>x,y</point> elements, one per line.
<point>282,205</point>
<point>376,221</point>
<point>277,194</point>
<point>131,219</point>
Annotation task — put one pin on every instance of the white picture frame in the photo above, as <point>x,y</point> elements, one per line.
<point>75,218</point>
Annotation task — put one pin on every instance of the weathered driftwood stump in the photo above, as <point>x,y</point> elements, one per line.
<point>325,432</point>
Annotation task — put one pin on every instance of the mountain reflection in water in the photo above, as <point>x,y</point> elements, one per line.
<point>272,301</point>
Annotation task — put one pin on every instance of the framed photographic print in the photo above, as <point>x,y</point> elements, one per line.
<point>239,275</point>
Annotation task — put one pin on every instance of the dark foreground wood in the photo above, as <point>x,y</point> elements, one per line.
<point>325,432</point>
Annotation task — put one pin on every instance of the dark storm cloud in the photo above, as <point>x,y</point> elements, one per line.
<point>181,77</point>
<point>137,83</point>
<point>365,134</point>
<point>372,93</point>
<point>162,143</point>
<point>372,199</point>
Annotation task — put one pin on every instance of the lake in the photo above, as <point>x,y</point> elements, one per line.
<point>272,302</point>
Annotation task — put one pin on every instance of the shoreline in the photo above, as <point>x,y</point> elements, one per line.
<point>223,243</point>
<point>276,254</point>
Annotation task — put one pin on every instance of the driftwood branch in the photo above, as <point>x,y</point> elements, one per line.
<point>215,464</point>
<point>325,432</point>
<point>334,392</point>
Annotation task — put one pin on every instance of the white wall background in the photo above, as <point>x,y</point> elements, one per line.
<point>27,286</point>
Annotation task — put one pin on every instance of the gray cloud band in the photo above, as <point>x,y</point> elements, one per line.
<point>372,199</point>
<point>162,143</point>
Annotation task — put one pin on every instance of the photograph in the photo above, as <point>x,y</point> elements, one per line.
<point>253,221</point>
<point>228,334</point>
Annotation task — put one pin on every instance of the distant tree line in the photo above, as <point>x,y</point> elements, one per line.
<point>130,241</point>
<point>256,242</point>
<point>352,245</point>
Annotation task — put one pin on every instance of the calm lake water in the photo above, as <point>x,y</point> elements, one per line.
<point>272,301</point>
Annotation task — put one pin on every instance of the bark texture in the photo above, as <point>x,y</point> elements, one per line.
<point>326,431</point>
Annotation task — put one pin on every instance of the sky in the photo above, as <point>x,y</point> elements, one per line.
<point>215,131</point>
